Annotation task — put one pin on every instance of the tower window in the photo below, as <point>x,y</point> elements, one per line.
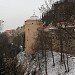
<point>32,23</point>
<point>28,29</point>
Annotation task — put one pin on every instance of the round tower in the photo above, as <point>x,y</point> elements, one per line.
<point>31,29</point>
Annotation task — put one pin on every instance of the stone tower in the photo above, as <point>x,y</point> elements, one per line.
<point>31,30</point>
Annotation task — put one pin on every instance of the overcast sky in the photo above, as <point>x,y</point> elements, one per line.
<point>15,12</point>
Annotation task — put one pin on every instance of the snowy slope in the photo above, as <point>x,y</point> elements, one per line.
<point>58,69</point>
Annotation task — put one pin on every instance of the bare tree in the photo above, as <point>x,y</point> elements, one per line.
<point>8,59</point>
<point>1,24</point>
<point>43,43</point>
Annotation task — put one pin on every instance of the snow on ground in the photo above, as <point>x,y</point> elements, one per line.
<point>58,69</point>
<point>21,59</point>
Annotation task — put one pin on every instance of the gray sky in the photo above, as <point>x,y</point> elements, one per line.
<point>15,12</point>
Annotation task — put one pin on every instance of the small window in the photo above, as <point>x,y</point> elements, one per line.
<point>28,29</point>
<point>32,23</point>
<point>69,37</point>
<point>37,29</point>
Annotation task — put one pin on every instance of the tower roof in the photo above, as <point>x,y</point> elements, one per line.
<point>34,17</point>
